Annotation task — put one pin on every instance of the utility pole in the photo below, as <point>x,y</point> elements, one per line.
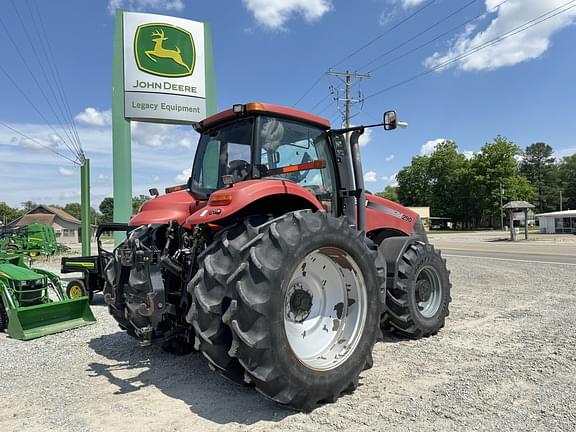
<point>501,210</point>
<point>346,77</point>
<point>560,199</point>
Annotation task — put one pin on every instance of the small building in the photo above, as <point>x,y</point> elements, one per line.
<point>560,222</point>
<point>424,213</point>
<point>66,227</point>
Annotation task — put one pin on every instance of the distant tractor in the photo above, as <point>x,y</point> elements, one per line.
<point>274,262</point>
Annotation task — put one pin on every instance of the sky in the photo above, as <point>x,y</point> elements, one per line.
<point>423,56</point>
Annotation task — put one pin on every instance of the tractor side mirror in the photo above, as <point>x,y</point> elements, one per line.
<point>153,192</point>
<point>390,120</point>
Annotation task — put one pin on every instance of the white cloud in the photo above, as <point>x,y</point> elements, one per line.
<point>23,162</point>
<point>527,45</point>
<point>65,172</point>
<point>69,195</point>
<point>429,146</point>
<point>92,117</point>
<point>389,158</point>
<point>559,154</point>
<point>162,135</point>
<point>365,138</point>
<point>155,178</point>
<point>370,177</point>
<point>184,175</point>
<point>273,14</point>
<point>468,154</point>
<point>411,3</point>
<point>37,140</point>
<point>391,179</point>
<point>139,5</point>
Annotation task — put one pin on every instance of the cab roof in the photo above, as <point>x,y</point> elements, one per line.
<point>265,108</point>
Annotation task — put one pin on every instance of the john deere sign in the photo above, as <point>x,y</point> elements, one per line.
<point>164,50</point>
<point>164,70</point>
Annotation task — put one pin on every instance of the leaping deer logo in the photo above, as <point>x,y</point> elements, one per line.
<point>161,52</point>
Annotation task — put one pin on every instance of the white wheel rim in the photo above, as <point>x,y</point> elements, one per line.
<point>325,308</point>
<point>428,291</point>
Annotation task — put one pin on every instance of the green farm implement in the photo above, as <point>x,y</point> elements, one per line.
<point>33,303</point>
<point>33,240</point>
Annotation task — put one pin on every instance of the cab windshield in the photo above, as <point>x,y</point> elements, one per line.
<point>264,147</point>
<point>222,151</point>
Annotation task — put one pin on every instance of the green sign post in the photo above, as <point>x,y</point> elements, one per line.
<point>121,138</point>
<point>163,71</point>
<point>85,206</point>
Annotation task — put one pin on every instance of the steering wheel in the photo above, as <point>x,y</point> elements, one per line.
<point>238,169</point>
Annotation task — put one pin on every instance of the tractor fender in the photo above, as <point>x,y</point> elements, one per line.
<point>392,249</point>
<point>163,209</point>
<point>255,196</point>
<point>385,214</point>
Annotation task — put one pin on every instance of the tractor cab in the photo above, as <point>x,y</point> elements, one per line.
<point>260,141</point>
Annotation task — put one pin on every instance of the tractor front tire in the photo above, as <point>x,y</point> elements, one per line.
<point>76,288</point>
<point>417,305</point>
<point>305,310</point>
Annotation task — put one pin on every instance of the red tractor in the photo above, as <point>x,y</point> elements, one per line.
<point>274,262</point>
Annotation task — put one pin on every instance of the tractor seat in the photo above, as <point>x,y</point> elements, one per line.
<point>239,170</point>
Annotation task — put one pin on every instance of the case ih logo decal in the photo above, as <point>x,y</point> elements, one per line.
<point>164,50</point>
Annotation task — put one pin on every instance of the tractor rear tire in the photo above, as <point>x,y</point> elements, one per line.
<point>306,308</point>
<point>418,305</point>
<point>3,316</point>
<point>211,292</point>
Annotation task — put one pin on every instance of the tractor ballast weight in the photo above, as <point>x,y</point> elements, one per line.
<point>33,303</point>
<point>274,262</point>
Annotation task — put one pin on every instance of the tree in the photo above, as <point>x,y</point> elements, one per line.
<point>496,166</point>
<point>28,205</point>
<point>390,193</point>
<point>106,207</point>
<point>414,182</point>
<point>73,209</point>
<point>137,202</point>
<point>538,166</point>
<point>8,213</point>
<point>445,162</point>
<point>567,175</point>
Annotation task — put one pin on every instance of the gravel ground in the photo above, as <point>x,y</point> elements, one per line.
<point>505,361</point>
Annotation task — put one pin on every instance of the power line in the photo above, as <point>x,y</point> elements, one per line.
<point>326,106</point>
<point>56,72</point>
<point>32,104</point>
<point>381,35</point>
<point>319,102</point>
<point>39,143</point>
<point>426,30</point>
<point>435,38</point>
<point>49,85</point>
<point>366,45</point>
<point>527,25</point>
<point>27,66</point>
<point>310,89</point>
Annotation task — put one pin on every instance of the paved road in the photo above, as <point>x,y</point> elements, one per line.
<point>522,251</point>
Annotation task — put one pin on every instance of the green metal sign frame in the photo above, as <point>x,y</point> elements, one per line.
<point>121,137</point>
